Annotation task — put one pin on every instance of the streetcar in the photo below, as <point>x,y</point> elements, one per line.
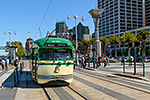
<point>52,60</point>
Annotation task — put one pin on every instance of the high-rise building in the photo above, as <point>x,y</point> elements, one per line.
<point>147,12</point>
<point>81,29</point>
<point>61,27</point>
<point>120,16</point>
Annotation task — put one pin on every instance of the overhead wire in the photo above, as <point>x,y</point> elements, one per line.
<point>44,16</point>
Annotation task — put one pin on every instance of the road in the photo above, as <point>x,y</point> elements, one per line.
<point>91,84</point>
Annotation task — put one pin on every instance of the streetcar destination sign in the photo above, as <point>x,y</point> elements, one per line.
<point>55,45</point>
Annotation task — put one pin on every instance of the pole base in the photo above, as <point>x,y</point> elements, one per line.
<point>97,45</point>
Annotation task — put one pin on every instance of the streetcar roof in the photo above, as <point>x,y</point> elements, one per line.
<point>41,42</point>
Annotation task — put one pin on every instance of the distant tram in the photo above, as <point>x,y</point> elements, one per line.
<point>52,60</point>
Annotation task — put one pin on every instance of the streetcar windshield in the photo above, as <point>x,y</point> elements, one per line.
<point>56,54</point>
<point>64,54</point>
<point>48,55</point>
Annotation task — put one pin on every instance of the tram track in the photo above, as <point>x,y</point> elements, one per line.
<point>118,81</point>
<point>62,93</point>
<point>52,91</point>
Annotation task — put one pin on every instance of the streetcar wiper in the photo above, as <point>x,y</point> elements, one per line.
<point>64,61</point>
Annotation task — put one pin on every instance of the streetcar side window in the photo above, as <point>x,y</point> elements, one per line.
<point>48,55</point>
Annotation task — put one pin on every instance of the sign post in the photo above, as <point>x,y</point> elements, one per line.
<point>136,44</point>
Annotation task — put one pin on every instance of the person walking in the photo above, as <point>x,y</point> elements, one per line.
<point>85,60</point>
<point>82,62</point>
<point>3,64</point>
<point>79,61</point>
<point>130,61</point>
<point>16,63</point>
<point>99,60</point>
<point>105,61</point>
<point>89,60</point>
<point>6,67</point>
<point>96,61</point>
<point>122,60</point>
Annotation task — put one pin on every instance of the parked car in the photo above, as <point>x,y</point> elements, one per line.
<point>148,59</point>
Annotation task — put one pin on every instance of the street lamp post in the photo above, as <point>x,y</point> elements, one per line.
<point>9,36</point>
<point>12,49</point>
<point>96,14</point>
<point>75,17</point>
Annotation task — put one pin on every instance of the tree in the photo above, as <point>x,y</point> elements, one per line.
<point>20,50</point>
<point>86,43</point>
<point>92,40</point>
<point>104,40</point>
<point>128,38</point>
<point>115,39</point>
<point>143,36</point>
<point>80,44</point>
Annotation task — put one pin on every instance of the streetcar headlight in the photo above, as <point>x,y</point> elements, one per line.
<point>42,61</point>
<point>57,70</point>
<point>69,62</point>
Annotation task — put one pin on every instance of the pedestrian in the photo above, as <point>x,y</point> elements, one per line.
<point>104,61</point>
<point>96,61</point>
<point>85,60</point>
<point>122,60</point>
<point>99,60</point>
<point>16,63</point>
<point>130,60</point>
<point>89,60</point>
<point>82,62</point>
<point>79,61</point>
<point>107,61</point>
<point>6,64</point>
<point>3,64</point>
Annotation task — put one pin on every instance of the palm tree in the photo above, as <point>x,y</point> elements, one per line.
<point>80,44</point>
<point>86,43</point>
<point>92,40</point>
<point>143,36</point>
<point>128,38</point>
<point>121,40</point>
<point>115,39</point>
<point>104,40</point>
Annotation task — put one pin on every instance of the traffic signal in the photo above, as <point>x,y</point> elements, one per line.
<point>93,49</point>
<point>130,44</point>
<point>136,43</point>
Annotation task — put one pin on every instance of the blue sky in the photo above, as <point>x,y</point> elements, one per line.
<point>23,16</point>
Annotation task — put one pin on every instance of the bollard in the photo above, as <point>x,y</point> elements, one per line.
<point>123,67</point>
<point>17,74</point>
<point>143,69</point>
<point>14,79</point>
<point>21,68</point>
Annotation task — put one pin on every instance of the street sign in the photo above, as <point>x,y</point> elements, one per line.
<point>8,44</point>
<point>2,47</point>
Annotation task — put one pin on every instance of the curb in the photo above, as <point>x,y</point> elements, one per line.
<point>131,76</point>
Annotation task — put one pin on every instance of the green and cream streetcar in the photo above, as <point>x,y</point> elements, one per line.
<point>52,60</point>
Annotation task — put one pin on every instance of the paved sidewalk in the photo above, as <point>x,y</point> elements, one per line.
<point>117,69</point>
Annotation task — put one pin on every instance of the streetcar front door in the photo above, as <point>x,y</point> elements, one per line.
<point>34,65</point>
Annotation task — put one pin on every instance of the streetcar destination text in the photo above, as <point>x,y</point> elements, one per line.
<point>55,45</point>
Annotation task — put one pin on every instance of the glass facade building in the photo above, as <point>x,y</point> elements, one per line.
<point>147,12</point>
<point>120,16</point>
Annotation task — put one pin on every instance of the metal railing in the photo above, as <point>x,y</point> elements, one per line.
<point>135,69</point>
